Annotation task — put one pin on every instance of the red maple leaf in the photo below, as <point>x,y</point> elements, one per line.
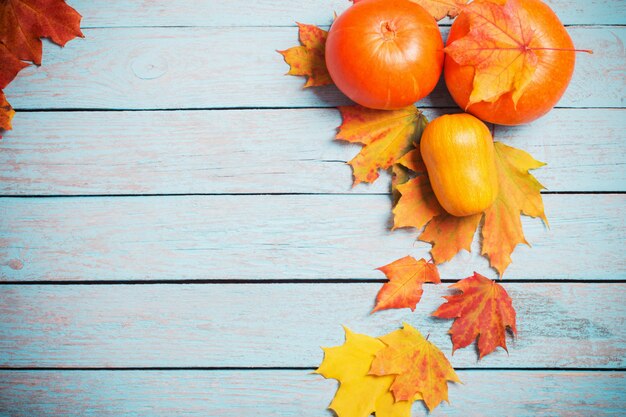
<point>483,310</point>
<point>24,22</point>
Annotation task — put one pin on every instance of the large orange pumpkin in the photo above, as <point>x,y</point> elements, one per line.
<point>460,159</point>
<point>556,58</point>
<point>385,54</point>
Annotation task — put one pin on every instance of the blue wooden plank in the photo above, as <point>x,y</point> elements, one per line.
<point>264,151</point>
<point>284,325</point>
<point>120,13</point>
<point>293,394</point>
<point>173,68</point>
<point>279,237</point>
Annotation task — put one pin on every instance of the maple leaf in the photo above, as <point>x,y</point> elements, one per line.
<point>499,45</point>
<point>6,114</point>
<point>24,22</point>
<point>483,310</point>
<point>399,176</point>
<point>442,8</point>
<point>519,194</point>
<point>360,394</point>
<point>417,204</point>
<point>9,67</point>
<point>387,135</point>
<point>401,172</point>
<point>309,58</point>
<point>449,235</point>
<point>420,367</point>
<point>404,289</point>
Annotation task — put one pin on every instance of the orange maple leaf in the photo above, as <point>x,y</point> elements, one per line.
<point>417,204</point>
<point>6,114</point>
<point>420,367</point>
<point>399,175</point>
<point>309,58</point>
<point>404,289</point>
<point>442,8</point>
<point>449,235</point>
<point>9,66</point>
<point>500,46</point>
<point>483,310</point>
<point>519,193</point>
<point>24,22</point>
<point>387,135</point>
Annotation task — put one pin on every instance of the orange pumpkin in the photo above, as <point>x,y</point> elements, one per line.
<point>555,52</point>
<point>385,54</point>
<point>460,159</point>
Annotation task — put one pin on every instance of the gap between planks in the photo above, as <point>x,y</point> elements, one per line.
<point>275,368</point>
<point>293,281</point>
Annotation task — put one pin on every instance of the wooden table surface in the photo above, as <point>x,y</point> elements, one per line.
<point>178,232</point>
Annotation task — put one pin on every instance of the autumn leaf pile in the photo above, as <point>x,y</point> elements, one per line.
<point>389,139</point>
<point>22,25</point>
<point>386,375</point>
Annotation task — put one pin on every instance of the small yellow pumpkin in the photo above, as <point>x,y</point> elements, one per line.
<point>460,159</point>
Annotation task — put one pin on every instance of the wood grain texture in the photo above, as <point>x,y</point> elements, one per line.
<point>279,237</point>
<point>264,151</point>
<point>120,13</point>
<point>294,394</point>
<point>165,68</point>
<point>283,325</point>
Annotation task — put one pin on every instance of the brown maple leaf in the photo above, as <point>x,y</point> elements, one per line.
<point>420,367</point>
<point>519,193</point>
<point>442,8</point>
<point>24,22</point>
<point>387,135</point>
<point>482,310</point>
<point>404,289</point>
<point>9,66</point>
<point>309,58</point>
<point>6,114</point>
<point>500,46</point>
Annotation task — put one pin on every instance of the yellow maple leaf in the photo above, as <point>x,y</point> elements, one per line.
<point>309,59</point>
<point>360,394</point>
<point>387,135</point>
<point>419,366</point>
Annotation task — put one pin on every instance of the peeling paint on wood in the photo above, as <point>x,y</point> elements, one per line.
<point>120,13</point>
<point>284,325</point>
<point>281,237</point>
<point>239,67</point>
<point>265,151</point>
<point>295,394</point>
